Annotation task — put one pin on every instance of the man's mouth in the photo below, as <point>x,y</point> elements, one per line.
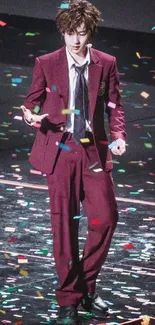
<point>75,47</point>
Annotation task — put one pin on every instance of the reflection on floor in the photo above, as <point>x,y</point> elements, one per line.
<point>27,272</point>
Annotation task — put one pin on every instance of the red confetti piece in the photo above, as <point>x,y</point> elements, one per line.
<point>11,240</point>
<point>19,323</point>
<point>104,142</point>
<point>2,23</point>
<point>128,246</point>
<point>95,222</point>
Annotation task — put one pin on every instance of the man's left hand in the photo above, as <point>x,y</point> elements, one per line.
<point>118,147</point>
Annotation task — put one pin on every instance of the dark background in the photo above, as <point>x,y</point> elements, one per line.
<point>135,15</point>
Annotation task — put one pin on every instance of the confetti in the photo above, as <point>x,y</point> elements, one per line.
<point>95,222</point>
<point>35,172</point>
<point>66,111</point>
<point>16,80</point>
<point>2,23</point>
<point>97,170</point>
<point>48,90</point>
<point>30,34</point>
<point>20,118</point>
<point>138,55</point>
<point>10,229</point>
<point>148,145</point>
<point>76,111</point>
<point>24,273</point>
<point>64,6</point>
<point>39,294</point>
<point>36,109</point>
<point>54,88</point>
<point>63,146</point>
<point>85,140</point>
<point>2,311</point>
<point>144,94</point>
<point>92,166</point>
<point>22,260</point>
<point>112,105</point>
<point>128,246</point>
<point>78,217</point>
<point>113,144</point>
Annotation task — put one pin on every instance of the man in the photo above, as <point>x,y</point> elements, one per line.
<point>71,86</point>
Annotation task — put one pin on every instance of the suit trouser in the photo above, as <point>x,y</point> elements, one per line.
<point>75,180</point>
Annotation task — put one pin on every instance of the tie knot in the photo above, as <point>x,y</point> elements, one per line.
<point>80,69</point>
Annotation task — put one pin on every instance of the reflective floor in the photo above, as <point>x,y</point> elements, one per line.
<point>27,272</point>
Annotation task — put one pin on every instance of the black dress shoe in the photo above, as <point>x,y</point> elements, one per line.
<point>67,315</point>
<point>94,304</point>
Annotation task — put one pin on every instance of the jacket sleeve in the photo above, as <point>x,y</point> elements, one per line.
<point>37,92</point>
<point>114,107</point>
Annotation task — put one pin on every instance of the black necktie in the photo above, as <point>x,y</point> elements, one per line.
<point>81,103</point>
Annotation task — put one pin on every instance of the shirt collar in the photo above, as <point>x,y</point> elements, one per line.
<point>71,60</point>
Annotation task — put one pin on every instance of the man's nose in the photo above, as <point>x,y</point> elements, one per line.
<point>76,39</point>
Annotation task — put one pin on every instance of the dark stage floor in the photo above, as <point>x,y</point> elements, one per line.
<point>27,272</point>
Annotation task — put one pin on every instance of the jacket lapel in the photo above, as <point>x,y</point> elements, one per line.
<point>62,76</point>
<point>94,78</point>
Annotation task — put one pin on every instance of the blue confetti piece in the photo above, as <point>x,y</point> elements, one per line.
<point>131,209</point>
<point>53,306</point>
<point>54,88</point>
<point>78,217</point>
<point>64,146</point>
<point>16,80</point>
<point>113,144</point>
<point>64,6</point>
<point>55,282</point>
<point>76,111</point>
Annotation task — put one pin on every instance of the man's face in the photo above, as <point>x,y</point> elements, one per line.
<point>76,42</point>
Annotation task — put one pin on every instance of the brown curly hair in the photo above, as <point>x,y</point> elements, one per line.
<point>78,12</point>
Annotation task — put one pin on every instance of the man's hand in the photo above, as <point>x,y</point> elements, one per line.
<point>117,147</point>
<point>32,118</point>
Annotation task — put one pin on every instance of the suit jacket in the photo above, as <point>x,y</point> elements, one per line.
<point>50,90</point>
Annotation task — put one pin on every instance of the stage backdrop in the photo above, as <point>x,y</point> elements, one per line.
<point>135,15</point>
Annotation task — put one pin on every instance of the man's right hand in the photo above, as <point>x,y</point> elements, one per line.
<point>32,118</point>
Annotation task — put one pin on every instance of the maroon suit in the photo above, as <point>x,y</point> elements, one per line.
<point>70,178</point>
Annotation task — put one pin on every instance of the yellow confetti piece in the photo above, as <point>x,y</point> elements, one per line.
<point>85,140</point>
<point>135,65</point>
<point>2,311</point>
<point>145,320</point>
<point>24,273</point>
<point>144,94</point>
<point>39,294</point>
<point>138,55</point>
<point>66,111</point>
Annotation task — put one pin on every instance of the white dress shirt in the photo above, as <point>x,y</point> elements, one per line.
<point>72,85</point>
